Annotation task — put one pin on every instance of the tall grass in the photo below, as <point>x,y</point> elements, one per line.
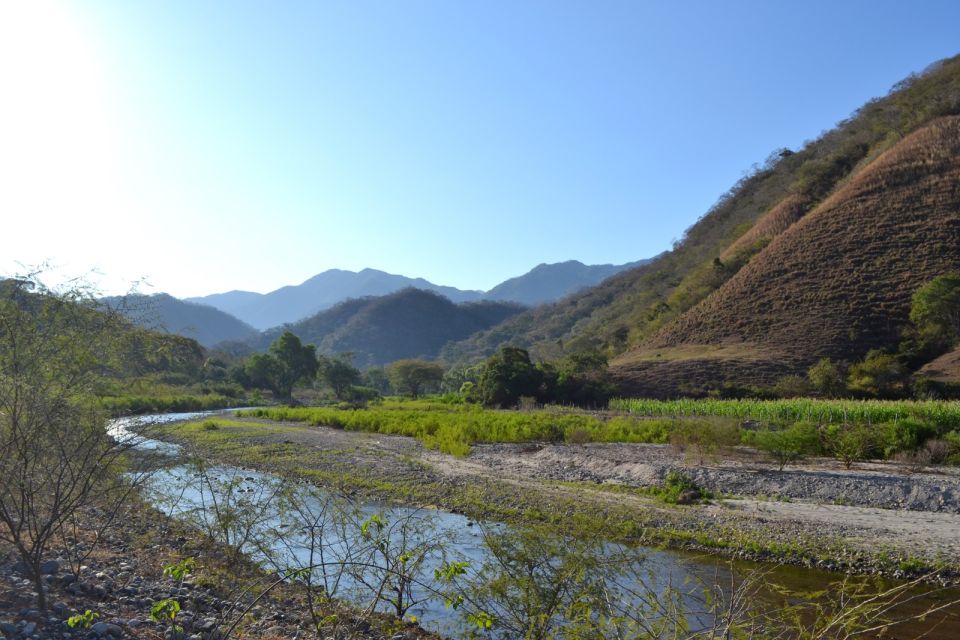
<point>942,414</point>
<point>454,431</point>
<point>140,404</point>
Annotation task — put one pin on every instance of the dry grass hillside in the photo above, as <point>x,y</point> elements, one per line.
<point>946,368</point>
<point>837,282</point>
<point>624,312</point>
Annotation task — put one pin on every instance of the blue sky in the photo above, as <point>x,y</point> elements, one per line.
<point>208,146</point>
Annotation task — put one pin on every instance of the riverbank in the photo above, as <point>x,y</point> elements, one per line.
<point>124,577</point>
<point>605,490</point>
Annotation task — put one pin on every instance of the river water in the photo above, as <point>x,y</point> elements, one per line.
<point>287,526</point>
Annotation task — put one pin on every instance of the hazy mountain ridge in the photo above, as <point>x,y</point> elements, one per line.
<point>162,312</point>
<point>292,303</point>
<point>410,323</point>
<point>549,282</point>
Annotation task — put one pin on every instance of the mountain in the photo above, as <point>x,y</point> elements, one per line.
<point>549,282</point>
<point>835,283</point>
<point>411,323</point>
<point>289,304</point>
<point>843,227</point>
<point>163,312</point>
<point>322,291</point>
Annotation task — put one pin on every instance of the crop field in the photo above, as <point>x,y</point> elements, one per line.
<point>944,415</point>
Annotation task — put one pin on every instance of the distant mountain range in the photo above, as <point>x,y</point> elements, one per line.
<point>544,283</point>
<point>167,314</point>
<point>410,323</point>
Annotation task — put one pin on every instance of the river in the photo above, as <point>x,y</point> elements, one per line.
<point>287,526</point>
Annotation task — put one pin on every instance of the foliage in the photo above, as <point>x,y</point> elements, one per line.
<point>413,377</point>
<point>583,380</point>
<point>82,620</point>
<point>935,311</point>
<point>826,378</point>
<point>338,373</point>
<point>944,415</point>
<point>792,387</point>
<point>879,374</point>
<point>703,439</point>
<point>298,362</point>
<point>788,445</point>
<point>453,428</point>
<point>56,457</point>
<point>507,376</point>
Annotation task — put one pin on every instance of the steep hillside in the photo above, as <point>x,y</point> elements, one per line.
<point>543,283</point>
<point>407,324</point>
<point>162,312</point>
<point>836,283</point>
<point>322,291</point>
<point>946,368</point>
<point>549,282</point>
<point>627,309</point>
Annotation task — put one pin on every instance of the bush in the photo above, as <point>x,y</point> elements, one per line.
<point>851,443</point>
<point>679,488</point>
<point>792,387</point>
<point>789,445</point>
<point>704,438</point>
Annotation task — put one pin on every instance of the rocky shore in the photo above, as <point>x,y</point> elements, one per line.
<point>123,578</point>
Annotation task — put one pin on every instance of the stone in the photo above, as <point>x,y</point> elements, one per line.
<point>29,628</point>
<point>103,629</point>
<point>49,568</point>
<point>8,628</point>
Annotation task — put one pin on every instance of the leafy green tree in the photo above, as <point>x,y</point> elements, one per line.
<point>299,362</point>
<point>508,375</point>
<point>789,445</point>
<point>583,380</point>
<point>338,373</point>
<point>935,311</point>
<point>265,371</point>
<point>827,378</point>
<point>879,374</point>
<point>412,376</point>
<point>376,378</point>
<point>792,387</point>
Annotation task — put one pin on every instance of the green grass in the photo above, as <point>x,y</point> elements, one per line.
<point>127,405</point>
<point>453,430</point>
<point>945,415</point>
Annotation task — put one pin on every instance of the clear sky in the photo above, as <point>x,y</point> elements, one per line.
<point>209,146</point>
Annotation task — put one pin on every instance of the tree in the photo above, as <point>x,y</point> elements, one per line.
<point>826,378</point>
<point>412,376</point>
<point>935,311</point>
<point>338,373</point>
<point>507,376</point>
<point>56,457</point>
<point>299,362</point>
<point>878,374</point>
<point>266,372</point>
<point>583,379</point>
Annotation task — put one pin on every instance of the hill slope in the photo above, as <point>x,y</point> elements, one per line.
<point>322,291</point>
<point>543,283</point>
<point>836,283</point>
<point>162,312</point>
<point>410,323</point>
<point>627,309</point>
<point>549,282</point>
